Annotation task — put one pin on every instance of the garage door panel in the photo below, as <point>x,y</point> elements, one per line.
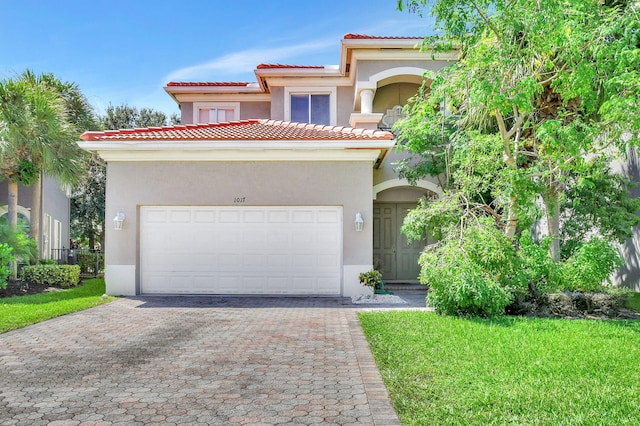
<point>229,216</point>
<point>328,216</point>
<point>278,216</point>
<point>303,216</point>
<point>253,216</point>
<point>180,216</point>
<point>204,216</point>
<point>241,250</point>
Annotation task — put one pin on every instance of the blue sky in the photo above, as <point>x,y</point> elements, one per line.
<point>126,51</point>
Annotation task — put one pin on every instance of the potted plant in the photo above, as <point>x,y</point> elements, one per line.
<point>372,279</point>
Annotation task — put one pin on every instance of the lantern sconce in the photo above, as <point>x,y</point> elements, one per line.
<point>359,222</point>
<point>118,221</point>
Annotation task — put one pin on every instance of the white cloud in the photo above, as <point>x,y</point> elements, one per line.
<point>240,63</point>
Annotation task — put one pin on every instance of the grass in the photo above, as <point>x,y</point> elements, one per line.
<point>20,311</point>
<point>510,371</point>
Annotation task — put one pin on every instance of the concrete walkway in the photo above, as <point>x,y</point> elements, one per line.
<point>195,360</point>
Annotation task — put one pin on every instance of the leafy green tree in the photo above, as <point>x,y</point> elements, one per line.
<point>88,206</point>
<point>545,95</point>
<point>128,117</point>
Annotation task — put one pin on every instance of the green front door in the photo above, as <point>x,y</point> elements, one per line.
<point>396,258</point>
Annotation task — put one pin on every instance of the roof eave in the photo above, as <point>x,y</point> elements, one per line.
<point>372,151</point>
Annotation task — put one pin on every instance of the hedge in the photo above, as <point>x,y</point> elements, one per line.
<point>56,275</point>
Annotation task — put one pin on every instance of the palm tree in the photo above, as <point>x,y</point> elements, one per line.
<point>61,158</point>
<point>35,137</point>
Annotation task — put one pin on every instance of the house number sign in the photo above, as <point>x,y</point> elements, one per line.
<point>239,200</point>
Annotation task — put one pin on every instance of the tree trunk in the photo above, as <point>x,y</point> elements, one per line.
<point>12,207</point>
<point>512,218</point>
<point>12,203</point>
<point>552,207</point>
<point>102,231</point>
<point>36,208</point>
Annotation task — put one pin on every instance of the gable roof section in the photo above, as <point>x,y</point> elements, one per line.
<point>209,83</point>
<point>287,66</point>
<point>258,130</point>
<point>249,140</point>
<point>350,36</point>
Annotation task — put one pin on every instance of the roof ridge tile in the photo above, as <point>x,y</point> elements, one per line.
<point>352,36</point>
<point>254,129</point>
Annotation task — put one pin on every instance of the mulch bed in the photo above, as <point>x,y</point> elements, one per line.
<point>20,288</point>
<point>574,305</point>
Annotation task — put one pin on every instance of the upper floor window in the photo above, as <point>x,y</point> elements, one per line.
<point>215,112</point>
<point>308,108</point>
<point>310,105</point>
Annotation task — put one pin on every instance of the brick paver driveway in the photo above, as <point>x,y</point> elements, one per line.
<point>195,360</point>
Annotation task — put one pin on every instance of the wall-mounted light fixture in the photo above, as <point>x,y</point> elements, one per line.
<point>118,221</point>
<point>359,222</point>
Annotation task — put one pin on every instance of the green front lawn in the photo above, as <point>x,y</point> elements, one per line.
<point>20,311</point>
<point>518,371</point>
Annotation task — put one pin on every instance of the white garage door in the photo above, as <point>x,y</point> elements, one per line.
<point>241,250</point>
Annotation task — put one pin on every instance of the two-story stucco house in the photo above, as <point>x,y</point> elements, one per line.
<point>280,186</point>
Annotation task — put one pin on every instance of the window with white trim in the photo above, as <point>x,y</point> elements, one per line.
<point>311,108</point>
<point>215,112</point>
<point>310,105</point>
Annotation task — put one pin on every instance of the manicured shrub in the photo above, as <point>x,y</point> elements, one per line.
<point>47,262</point>
<point>6,259</point>
<point>56,275</point>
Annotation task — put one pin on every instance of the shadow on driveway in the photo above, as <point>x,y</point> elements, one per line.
<point>413,299</point>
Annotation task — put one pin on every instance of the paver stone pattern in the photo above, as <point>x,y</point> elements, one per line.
<point>194,360</point>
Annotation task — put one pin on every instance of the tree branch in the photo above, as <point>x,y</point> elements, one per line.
<point>486,19</point>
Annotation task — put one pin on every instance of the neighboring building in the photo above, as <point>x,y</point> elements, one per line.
<point>242,199</point>
<point>54,214</point>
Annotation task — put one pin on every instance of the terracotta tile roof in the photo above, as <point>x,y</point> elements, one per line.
<point>263,130</point>
<point>350,36</point>
<point>210,83</point>
<point>276,66</point>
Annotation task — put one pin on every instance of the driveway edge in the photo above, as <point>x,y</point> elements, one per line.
<point>382,410</point>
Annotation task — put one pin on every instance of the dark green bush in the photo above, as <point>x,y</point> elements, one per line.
<point>47,262</point>
<point>472,273</point>
<point>588,268</point>
<point>87,263</point>
<point>6,258</point>
<point>57,275</point>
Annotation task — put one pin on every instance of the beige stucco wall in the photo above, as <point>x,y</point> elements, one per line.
<point>345,105</point>
<point>277,103</point>
<point>366,69</point>
<point>133,184</point>
<point>186,113</point>
<point>252,110</point>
